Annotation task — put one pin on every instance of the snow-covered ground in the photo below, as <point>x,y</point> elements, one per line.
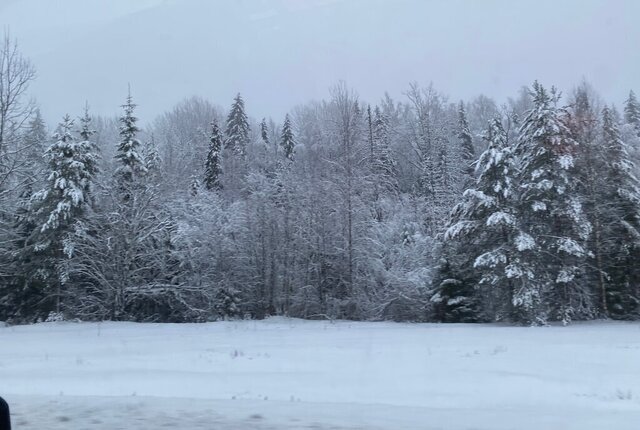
<point>292,374</point>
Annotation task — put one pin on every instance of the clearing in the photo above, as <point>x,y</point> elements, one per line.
<point>293,374</point>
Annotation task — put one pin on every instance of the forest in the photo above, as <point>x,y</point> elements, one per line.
<point>525,211</point>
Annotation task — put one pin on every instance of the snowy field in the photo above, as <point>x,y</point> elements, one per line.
<point>292,374</point>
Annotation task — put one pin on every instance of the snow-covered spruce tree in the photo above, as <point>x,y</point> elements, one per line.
<point>485,233</point>
<point>23,291</point>
<point>444,179</point>
<point>131,163</point>
<point>72,167</point>
<point>213,167</point>
<point>287,141</point>
<point>88,147</point>
<point>384,165</point>
<point>551,209</point>
<point>35,143</point>
<point>194,185</point>
<point>621,226</point>
<point>591,161</point>
<point>152,160</point>
<point>264,133</point>
<point>237,130</point>
<point>453,296</point>
<point>632,111</point>
<point>467,151</point>
<point>227,303</point>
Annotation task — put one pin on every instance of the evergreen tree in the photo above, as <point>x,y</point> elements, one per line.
<point>35,141</point>
<point>56,208</point>
<point>72,166</point>
<point>23,294</point>
<point>213,168</point>
<point>550,206</point>
<point>485,229</point>
<point>384,165</point>
<point>621,221</point>
<point>467,151</point>
<point>152,160</point>
<point>227,303</point>
<point>237,131</point>
<point>264,133</point>
<point>454,299</point>
<point>443,182</point>
<point>590,167</point>
<point>194,186</point>
<point>287,142</point>
<point>87,145</point>
<point>132,164</point>
<point>632,111</point>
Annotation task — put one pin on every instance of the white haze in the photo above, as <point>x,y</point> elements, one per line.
<point>279,53</point>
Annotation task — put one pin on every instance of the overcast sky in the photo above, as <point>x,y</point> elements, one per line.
<point>279,53</point>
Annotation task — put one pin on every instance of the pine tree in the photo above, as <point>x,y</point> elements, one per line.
<point>550,206</point>
<point>621,222</point>
<point>213,168</point>
<point>128,153</point>
<point>237,131</point>
<point>287,141</point>
<point>467,151</point>
<point>632,111</point>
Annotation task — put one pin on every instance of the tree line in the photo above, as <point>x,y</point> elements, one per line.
<point>412,210</point>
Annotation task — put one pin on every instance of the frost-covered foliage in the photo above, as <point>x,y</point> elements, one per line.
<point>127,264</point>
<point>383,213</point>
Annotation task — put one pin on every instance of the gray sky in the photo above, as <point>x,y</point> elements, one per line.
<point>279,53</point>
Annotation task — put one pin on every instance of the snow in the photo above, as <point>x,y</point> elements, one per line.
<point>524,242</point>
<point>538,206</point>
<point>292,374</point>
<point>459,228</point>
<point>490,259</point>
<point>501,218</point>
<point>565,276</point>
<point>566,161</point>
<point>570,246</point>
